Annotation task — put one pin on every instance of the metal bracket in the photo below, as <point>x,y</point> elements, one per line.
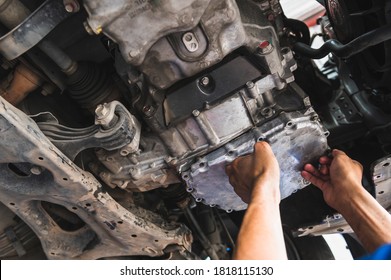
<point>331,224</point>
<point>123,131</point>
<point>381,175</point>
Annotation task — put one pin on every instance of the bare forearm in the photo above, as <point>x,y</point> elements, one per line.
<point>368,219</point>
<point>261,235</point>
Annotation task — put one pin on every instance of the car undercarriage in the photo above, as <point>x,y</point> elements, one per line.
<point>117,119</point>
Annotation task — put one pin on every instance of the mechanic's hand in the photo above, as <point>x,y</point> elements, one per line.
<point>338,178</point>
<point>256,176</point>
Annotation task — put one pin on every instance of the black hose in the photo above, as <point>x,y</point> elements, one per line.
<point>355,46</point>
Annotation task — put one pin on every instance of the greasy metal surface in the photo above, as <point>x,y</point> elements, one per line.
<point>296,138</point>
<point>159,50</point>
<point>147,20</point>
<point>146,32</point>
<point>141,171</point>
<point>110,230</point>
<point>224,33</point>
<point>381,175</point>
<point>331,224</point>
<point>31,31</point>
<point>209,88</point>
<point>66,64</point>
<point>159,160</point>
<point>226,27</point>
<point>154,166</point>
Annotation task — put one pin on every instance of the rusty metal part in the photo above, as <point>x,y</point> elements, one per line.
<point>19,84</point>
<point>109,230</point>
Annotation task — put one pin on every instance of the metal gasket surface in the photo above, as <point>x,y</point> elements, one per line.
<point>295,138</point>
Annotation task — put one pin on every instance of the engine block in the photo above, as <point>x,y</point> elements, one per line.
<point>199,126</point>
<point>202,140</point>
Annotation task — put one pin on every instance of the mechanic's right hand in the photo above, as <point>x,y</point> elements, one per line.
<point>338,177</point>
<point>256,177</point>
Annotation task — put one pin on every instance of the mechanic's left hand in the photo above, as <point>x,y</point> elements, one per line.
<point>256,176</point>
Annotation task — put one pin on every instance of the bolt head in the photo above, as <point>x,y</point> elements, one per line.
<point>267,112</point>
<point>133,54</point>
<point>36,170</point>
<point>69,8</point>
<point>188,37</point>
<point>101,111</point>
<point>147,109</point>
<point>88,28</point>
<point>205,81</point>
<point>250,84</point>
<point>196,113</point>
<point>270,17</point>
